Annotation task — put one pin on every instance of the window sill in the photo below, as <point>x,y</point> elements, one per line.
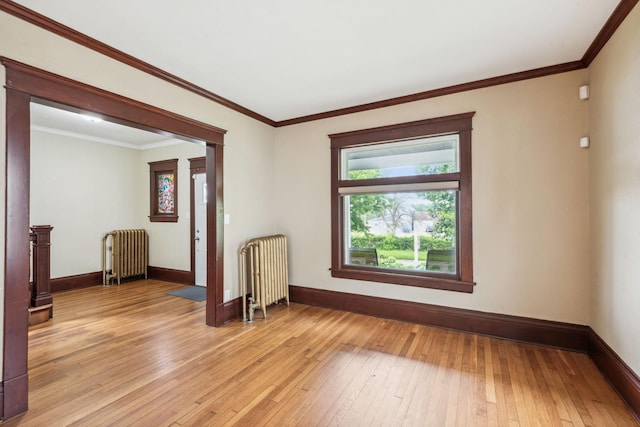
<point>397,278</point>
<point>163,218</point>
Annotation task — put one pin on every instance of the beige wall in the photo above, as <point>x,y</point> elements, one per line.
<point>86,189</point>
<point>530,199</point>
<point>248,157</point>
<point>614,116</point>
<point>531,209</point>
<point>83,189</point>
<point>169,242</point>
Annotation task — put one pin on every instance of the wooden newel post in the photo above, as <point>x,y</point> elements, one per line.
<point>41,291</point>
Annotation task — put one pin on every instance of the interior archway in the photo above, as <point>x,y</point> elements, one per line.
<point>25,84</point>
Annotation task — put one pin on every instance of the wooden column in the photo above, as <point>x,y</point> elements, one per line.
<point>41,291</point>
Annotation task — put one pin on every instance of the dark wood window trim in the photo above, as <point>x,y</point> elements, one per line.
<point>460,124</point>
<point>156,169</point>
<point>25,84</point>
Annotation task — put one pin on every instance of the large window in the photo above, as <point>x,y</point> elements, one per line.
<point>401,204</point>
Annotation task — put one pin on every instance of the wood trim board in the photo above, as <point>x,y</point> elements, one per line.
<point>14,388</point>
<point>620,375</point>
<point>561,335</point>
<point>57,28</point>
<point>61,92</point>
<point>617,17</point>
<point>16,259</point>
<point>78,281</point>
<point>609,28</point>
<point>434,93</point>
<point>233,309</point>
<point>170,275</point>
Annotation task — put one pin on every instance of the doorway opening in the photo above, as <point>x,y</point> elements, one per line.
<point>25,84</point>
<point>113,162</point>
<point>199,200</point>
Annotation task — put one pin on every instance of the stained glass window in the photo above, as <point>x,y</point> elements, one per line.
<point>166,193</point>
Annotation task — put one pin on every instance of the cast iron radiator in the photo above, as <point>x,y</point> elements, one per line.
<point>129,255</point>
<point>263,264</point>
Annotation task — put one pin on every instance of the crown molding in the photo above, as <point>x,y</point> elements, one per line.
<point>619,14</point>
<point>55,27</point>
<point>107,141</point>
<point>79,97</point>
<point>617,17</point>
<point>449,90</point>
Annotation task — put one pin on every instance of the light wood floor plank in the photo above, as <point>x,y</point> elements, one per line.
<point>132,355</point>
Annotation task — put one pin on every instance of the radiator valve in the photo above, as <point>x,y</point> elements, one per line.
<point>252,308</point>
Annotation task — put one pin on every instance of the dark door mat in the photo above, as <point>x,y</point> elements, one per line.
<point>195,293</point>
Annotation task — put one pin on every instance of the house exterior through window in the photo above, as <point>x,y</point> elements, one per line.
<point>401,204</point>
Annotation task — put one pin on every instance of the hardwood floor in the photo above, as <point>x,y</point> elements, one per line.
<point>131,355</point>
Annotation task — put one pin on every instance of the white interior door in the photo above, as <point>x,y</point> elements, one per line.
<point>200,223</point>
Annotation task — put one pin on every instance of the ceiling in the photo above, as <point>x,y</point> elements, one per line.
<point>90,128</point>
<point>285,59</point>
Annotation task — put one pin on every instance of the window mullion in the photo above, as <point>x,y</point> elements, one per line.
<point>400,188</point>
<point>400,180</point>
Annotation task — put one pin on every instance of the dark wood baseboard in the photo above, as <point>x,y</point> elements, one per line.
<point>80,281</point>
<point>170,275</point>
<point>77,281</point>
<point>232,309</point>
<point>14,396</point>
<point>1,401</point>
<point>619,374</point>
<point>556,334</point>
